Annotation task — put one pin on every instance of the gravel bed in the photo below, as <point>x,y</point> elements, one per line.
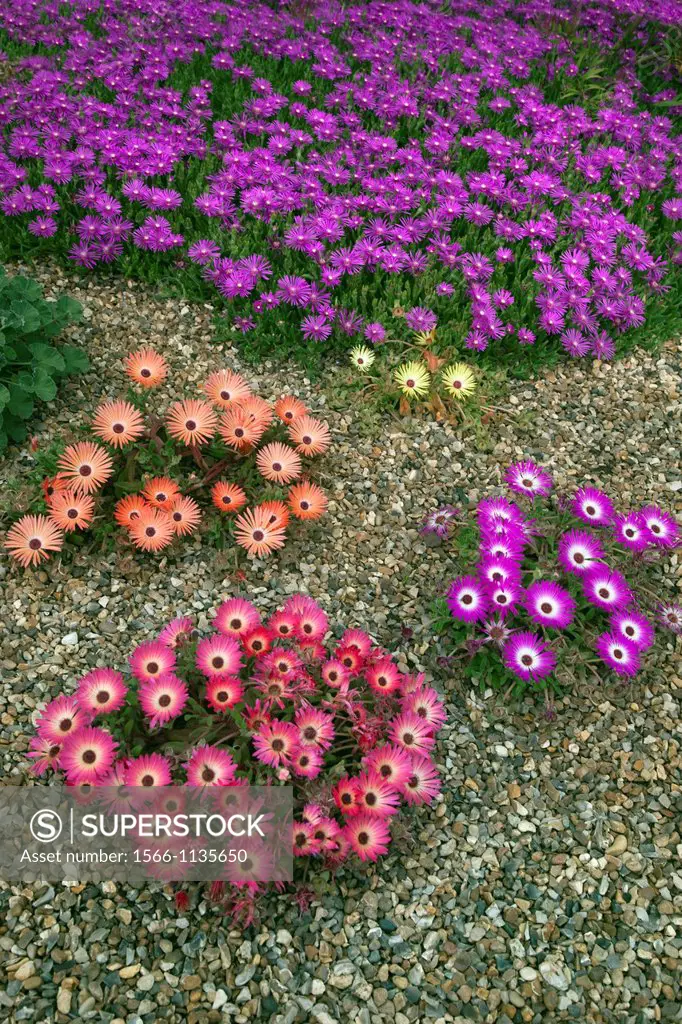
<point>546,883</point>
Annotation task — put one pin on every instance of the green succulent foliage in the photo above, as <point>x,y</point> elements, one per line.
<point>31,364</point>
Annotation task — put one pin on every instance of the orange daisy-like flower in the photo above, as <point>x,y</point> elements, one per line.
<point>152,531</point>
<point>130,508</point>
<point>289,408</point>
<point>238,429</point>
<point>32,538</point>
<point>118,423</point>
<point>72,511</point>
<point>307,501</point>
<point>228,497</point>
<point>278,462</point>
<point>192,422</point>
<point>185,516</point>
<point>278,512</point>
<point>146,367</point>
<point>310,436</point>
<point>258,410</point>
<point>161,492</point>
<point>54,485</point>
<point>86,466</point>
<point>254,532</point>
<point>224,388</point>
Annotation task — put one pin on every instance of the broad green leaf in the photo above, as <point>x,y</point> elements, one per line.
<point>26,316</point>
<point>15,428</point>
<point>24,289</point>
<point>20,404</point>
<point>44,386</point>
<point>4,396</point>
<point>75,359</point>
<point>47,356</point>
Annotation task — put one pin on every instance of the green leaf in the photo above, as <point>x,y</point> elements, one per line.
<point>67,309</point>
<point>26,316</point>
<point>4,396</point>
<point>20,403</point>
<point>15,429</point>
<point>3,435</point>
<point>47,356</point>
<point>75,359</point>
<point>23,288</point>
<point>43,385</point>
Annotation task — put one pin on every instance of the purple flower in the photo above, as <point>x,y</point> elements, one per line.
<point>203,252</point>
<point>631,532</point>
<point>529,479</point>
<point>633,627</point>
<point>579,552</point>
<point>440,521</point>
<point>316,328</point>
<point>663,530</point>
<point>375,333</point>
<point>528,657</point>
<point>467,600</point>
<point>504,597</point>
<point>618,654</point>
<point>549,605</point>
<point>606,588</point>
<point>420,319</point>
<point>43,227</point>
<point>593,506</point>
<point>670,616</point>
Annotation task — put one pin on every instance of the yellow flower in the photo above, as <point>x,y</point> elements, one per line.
<point>362,358</point>
<point>459,380</point>
<point>413,379</point>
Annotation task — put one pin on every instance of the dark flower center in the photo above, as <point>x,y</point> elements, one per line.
<point>177,517</point>
<point>218,662</point>
<point>546,607</point>
<point>578,558</point>
<point>55,750</point>
<point>301,839</point>
<point>225,395</point>
<point>35,543</point>
<point>603,592</point>
<point>304,761</point>
<point>150,531</point>
<point>153,668</point>
<point>65,724</point>
<point>527,482</point>
<point>118,428</point>
<point>102,697</point>
<point>235,624</point>
<point>239,432</point>
<point>310,732</point>
<point>222,696</point>
<point>408,739</point>
<point>590,510</point>
<point>305,506</point>
<point>164,700</point>
<point>258,535</point>
<point>85,470</point>
<point>346,798</point>
<point>147,780</point>
<point>277,466</point>
<point>208,775</point>
<point>526,660</point>
<point>363,838</point>
<point>655,528</point>
<point>89,757</point>
<point>409,383</point>
<point>72,513</point>
<point>278,745</point>
<point>467,599</point>
<point>413,781</point>
<point>307,440</point>
<point>370,799</point>
<point>190,425</point>
<point>617,653</point>
<point>227,500</point>
<point>145,372</point>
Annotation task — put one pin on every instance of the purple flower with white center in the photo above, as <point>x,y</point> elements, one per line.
<point>444,288</point>
<point>244,323</point>
<point>525,336</point>
<point>618,654</point>
<point>440,521</point>
<point>579,552</point>
<point>575,343</point>
<point>420,319</point>
<point>634,627</point>
<point>504,597</point>
<point>528,656</point>
<point>631,532</point>
<point>496,631</point>
<point>375,333</point>
<point>496,570</point>
<point>510,546</point>
<point>672,208</point>
<point>528,478</point>
<point>593,506</point>
<point>670,616</point>
<point>467,600</point>
<point>662,528</point>
<point>549,605</point>
<point>295,291</point>
<point>504,255</point>
<point>315,327</point>
<point>203,252</point>
<point>43,227</point>
<point>605,588</point>
<point>495,509</point>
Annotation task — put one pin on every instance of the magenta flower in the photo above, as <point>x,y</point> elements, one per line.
<point>606,588</point>
<point>549,605</point>
<point>528,478</point>
<point>528,657</point>
<point>467,599</point>
<point>618,654</point>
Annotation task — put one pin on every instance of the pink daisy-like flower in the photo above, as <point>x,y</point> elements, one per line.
<point>87,755</point>
<point>631,532</point>
<point>383,676</point>
<point>312,620</point>
<point>326,832</point>
<point>279,463</point>
<point>422,785</point>
<point>504,597</point>
<point>374,796</point>
<point>163,699</point>
<point>275,743</point>
<point>592,506</point>
<point>236,617</point>
<point>219,656</point>
<point>257,642</point>
<point>177,633</point>
<point>315,728</point>
<point>529,479</point>
<point>579,552</point>
<point>467,599</point>
<point>662,528</point>
<point>633,627</point>
<point>151,660</point>
<point>549,605</point>
<point>499,570</point>
<point>334,673</point>
<point>391,763</point>
<point>307,762</point>
<point>618,654</point>
<point>149,770</point>
<point>412,733</point>
<point>210,766</point>
<point>224,692</point>
<point>359,639</point>
<point>368,836</point>
<point>101,691</point>
<point>303,840</point>
<point>45,754</point>
<point>528,657</point>
<point>606,589</point>
<point>426,704</point>
<point>62,717</point>
<point>344,793</point>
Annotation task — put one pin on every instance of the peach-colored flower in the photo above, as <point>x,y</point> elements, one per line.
<point>278,512</point>
<point>224,388</point>
<point>161,492</point>
<point>152,531</point>
<point>228,497</point>
<point>278,462</point>
<point>146,367</point>
<point>185,516</point>
<point>72,511</point>
<point>238,429</point>
<point>307,501</point>
<point>258,410</point>
<point>289,408</point>
<point>118,423</point>
<point>254,532</point>
<point>130,508</point>
<point>192,422</point>
<point>310,436</point>
<point>53,485</point>
<point>86,466</point>
<point>32,538</point>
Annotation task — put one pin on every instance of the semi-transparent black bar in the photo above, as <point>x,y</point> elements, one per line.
<point>233,834</point>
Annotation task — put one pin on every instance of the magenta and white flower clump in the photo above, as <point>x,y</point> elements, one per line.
<point>277,703</point>
<point>538,575</point>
